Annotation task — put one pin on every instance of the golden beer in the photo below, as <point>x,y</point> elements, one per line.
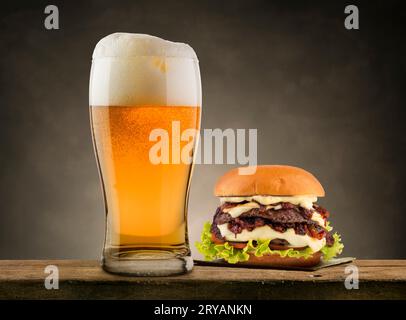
<point>146,202</point>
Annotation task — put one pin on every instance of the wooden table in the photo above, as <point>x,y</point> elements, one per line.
<point>378,279</point>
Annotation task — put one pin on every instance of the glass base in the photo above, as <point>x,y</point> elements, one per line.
<point>148,263</point>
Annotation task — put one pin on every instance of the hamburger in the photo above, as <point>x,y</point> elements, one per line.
<point>270,218</point>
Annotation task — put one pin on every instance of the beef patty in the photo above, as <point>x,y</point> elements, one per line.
<point>288,216</point>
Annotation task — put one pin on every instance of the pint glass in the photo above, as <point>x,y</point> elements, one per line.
<point>145,103</point>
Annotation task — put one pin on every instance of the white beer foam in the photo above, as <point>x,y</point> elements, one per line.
<point>142,70</point>
<point>126,45</point>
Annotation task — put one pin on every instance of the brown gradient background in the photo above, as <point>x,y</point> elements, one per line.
<point>322,97</point>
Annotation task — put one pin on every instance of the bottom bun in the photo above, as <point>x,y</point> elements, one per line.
<point>275,260</point>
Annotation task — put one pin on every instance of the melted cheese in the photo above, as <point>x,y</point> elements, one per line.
<point>319,219</point>
<point>241,208</point>
<point>278,207</point>
<point>266,232</point>
<point>302,201</point>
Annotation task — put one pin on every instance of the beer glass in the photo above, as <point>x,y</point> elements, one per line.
<point>145,102</point>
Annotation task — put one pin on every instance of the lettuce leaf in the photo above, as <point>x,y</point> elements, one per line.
<point>334,250</point>
<point>212,251</point>
<point>328,227</point>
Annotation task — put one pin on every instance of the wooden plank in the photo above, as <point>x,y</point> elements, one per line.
<point>379,279</point>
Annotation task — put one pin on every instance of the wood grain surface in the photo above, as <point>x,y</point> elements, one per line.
<point>79,279</point>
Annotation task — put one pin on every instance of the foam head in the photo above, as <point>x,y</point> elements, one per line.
<point>140,70</point>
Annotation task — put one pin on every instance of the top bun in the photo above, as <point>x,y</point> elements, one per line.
<point>273,180</point>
